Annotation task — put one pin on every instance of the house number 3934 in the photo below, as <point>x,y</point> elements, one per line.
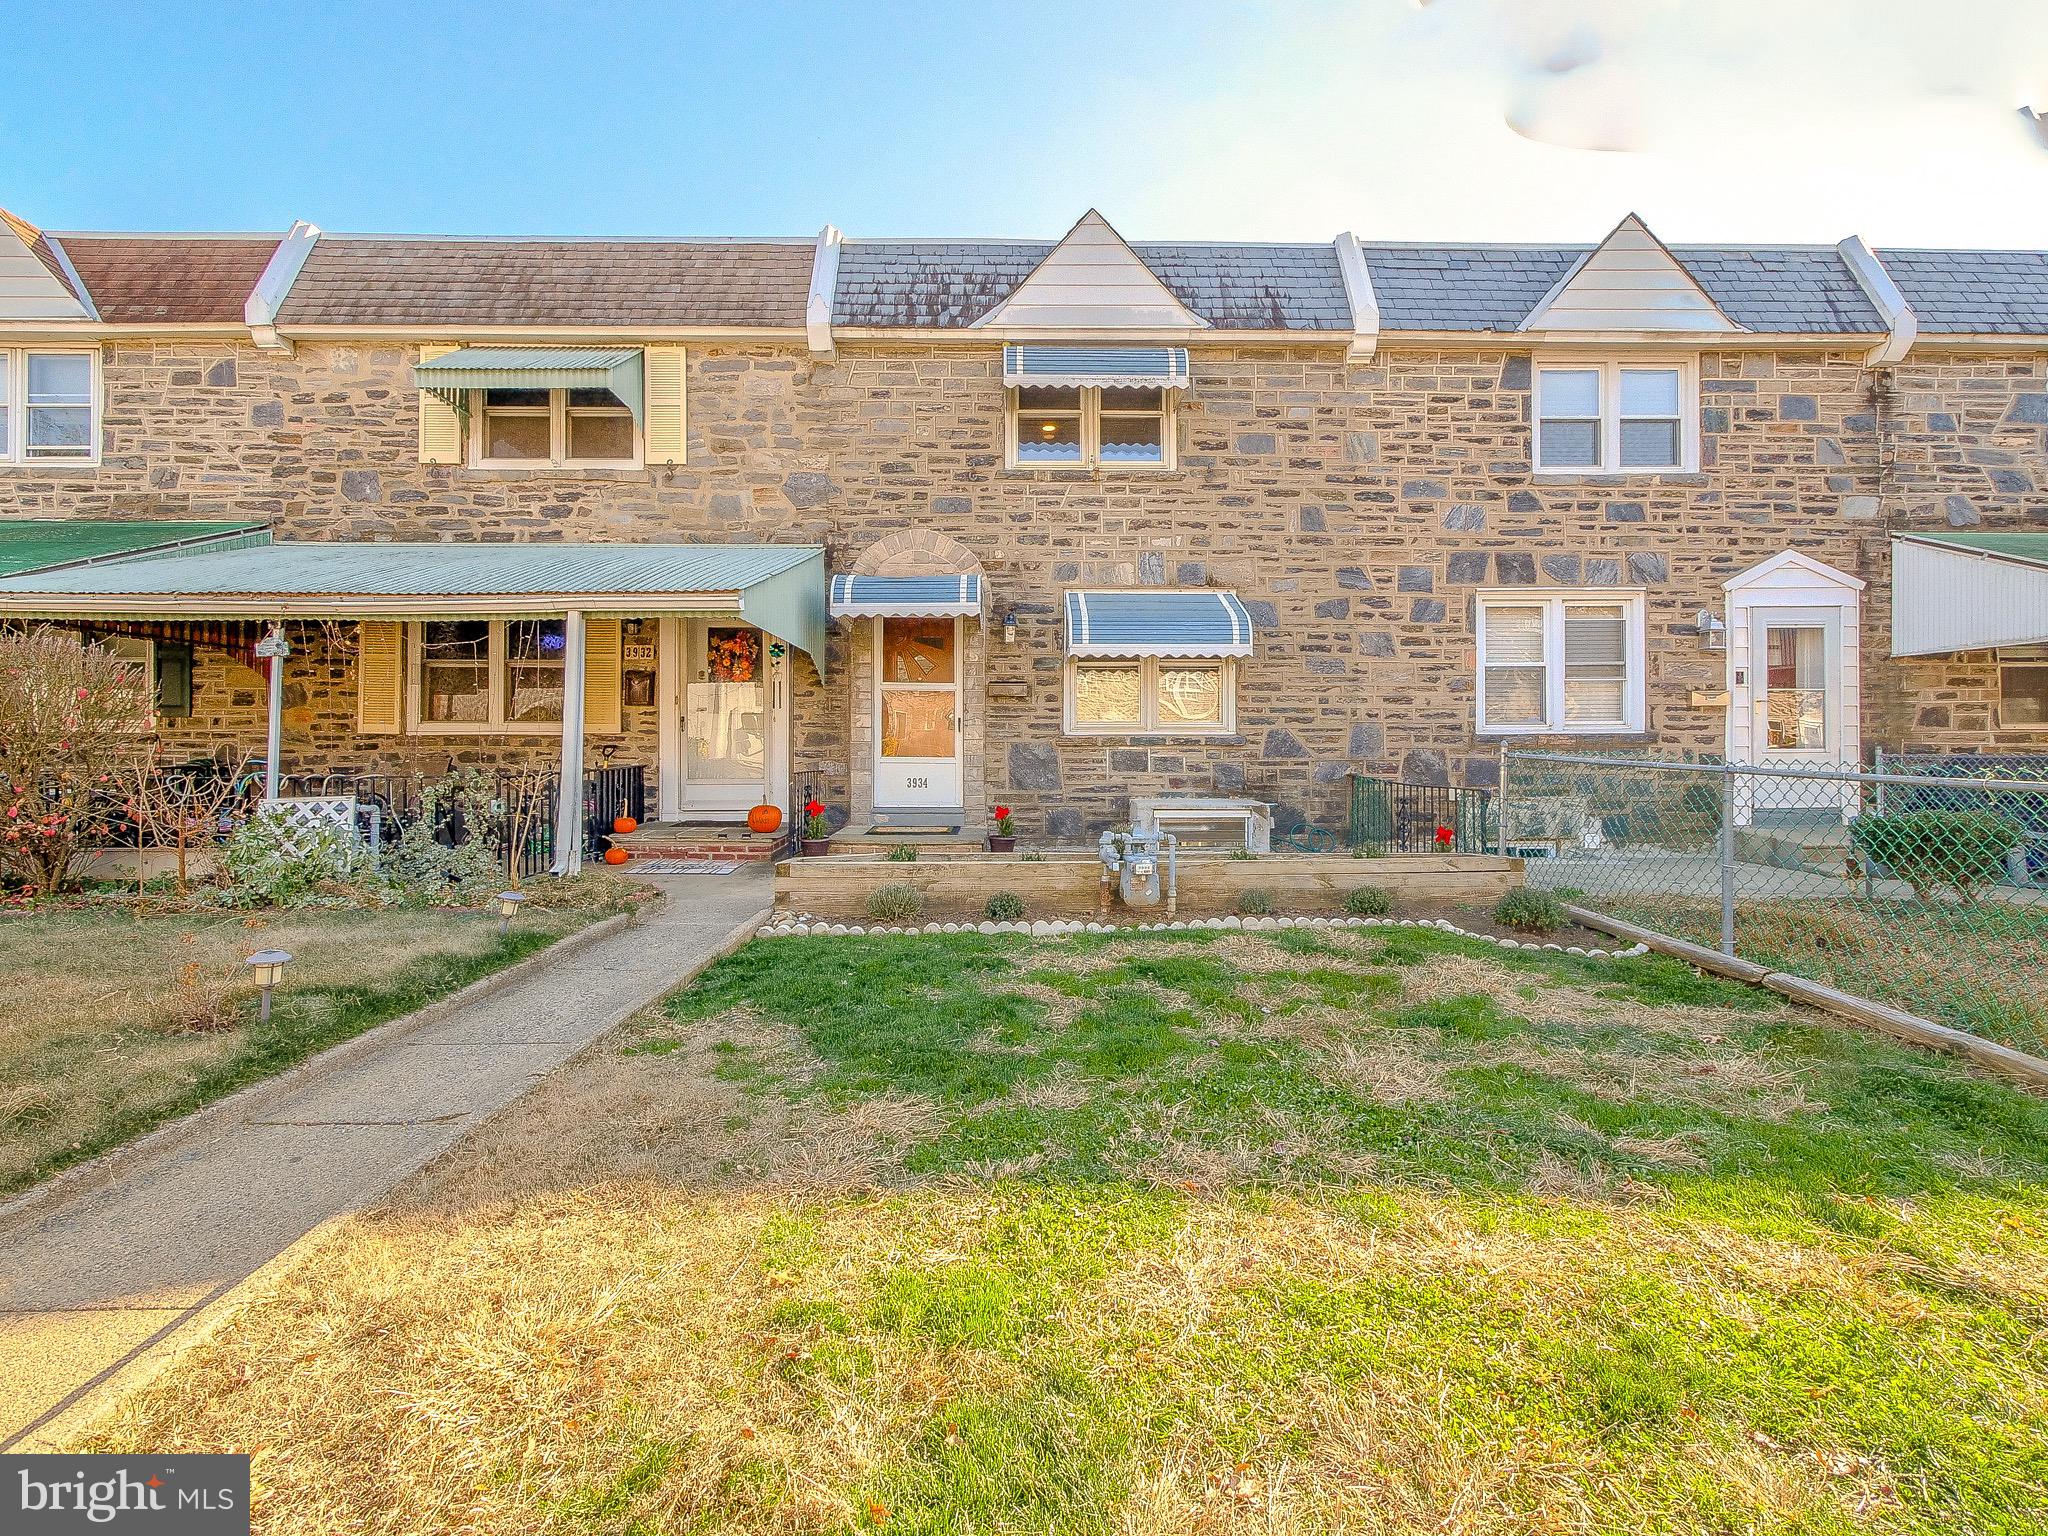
<point>917,783</point>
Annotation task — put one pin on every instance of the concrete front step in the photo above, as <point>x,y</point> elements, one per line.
<point>700,840</point>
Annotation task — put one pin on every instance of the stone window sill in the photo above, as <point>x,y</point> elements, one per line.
<point>471,472</point>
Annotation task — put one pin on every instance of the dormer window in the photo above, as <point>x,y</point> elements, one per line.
<point>1092,407</point>
<point>1616,418</point>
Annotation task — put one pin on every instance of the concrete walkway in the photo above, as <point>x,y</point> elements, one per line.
<point>112,1268</point>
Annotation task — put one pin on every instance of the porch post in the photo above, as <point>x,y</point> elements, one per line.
<point>569,798</point>
<point>273,647</point>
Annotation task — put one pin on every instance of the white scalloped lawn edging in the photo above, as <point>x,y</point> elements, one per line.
<point>802,924</point>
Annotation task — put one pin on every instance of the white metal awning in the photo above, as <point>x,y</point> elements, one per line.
<point>1096,367</point>
<point>904,597</point>
<point>1159,623</point>
<point>1968,592</point>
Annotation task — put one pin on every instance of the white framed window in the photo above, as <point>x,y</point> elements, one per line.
<point>1607,417</point>
<point>1071,427</point>
<point>557,428</point>
<point>1151,696</point>
<point>1560,662</point>
<point>49,405</point>
<point>477,676</point>
<point>2023,688</point>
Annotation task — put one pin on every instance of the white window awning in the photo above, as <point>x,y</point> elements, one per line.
<point>1157,623</point>
<point>1095,367</point>
<point>904,597</point>
<point>1968,592</point>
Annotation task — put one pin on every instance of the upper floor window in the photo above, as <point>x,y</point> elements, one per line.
<point>1084,426</point>
<point>574,427</point>
<point>49,406</point>
<point>1560,662</point>
<point>1616,418</point>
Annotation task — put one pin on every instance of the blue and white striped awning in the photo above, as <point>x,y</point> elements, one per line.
<point>1201,623</point>
<point>1096,367</point>
<point>904,597</point>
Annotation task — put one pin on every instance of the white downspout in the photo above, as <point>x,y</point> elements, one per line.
<point>569,797</point>
<point>1365,305</point>
<point>1884,294</point>
<point>824,289</point>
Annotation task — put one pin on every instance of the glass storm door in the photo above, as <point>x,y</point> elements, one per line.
<point>1795,697</point>
<point>917,702</point>
<point>725,717</point>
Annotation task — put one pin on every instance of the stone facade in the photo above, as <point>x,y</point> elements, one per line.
<point>1356,508</point>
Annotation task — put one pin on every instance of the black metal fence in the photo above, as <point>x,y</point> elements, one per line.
<point>1394,816</point>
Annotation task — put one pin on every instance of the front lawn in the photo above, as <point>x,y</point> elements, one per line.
<point>1295,1232</point>
<point>112,1023</point>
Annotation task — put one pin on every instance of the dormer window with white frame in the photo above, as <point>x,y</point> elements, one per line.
<point>1611,417</point>
<point>49,406</point>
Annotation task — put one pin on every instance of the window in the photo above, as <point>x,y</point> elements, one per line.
<point>476,675</point>
<point>1599,418</point>
<point>1107,428</point>
<point>1150,695</point>
<point>2023,687</point>
<point>49,410</point>
<point>1559,663</point>
<point>578,428</point>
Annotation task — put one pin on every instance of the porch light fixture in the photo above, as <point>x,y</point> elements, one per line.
<point>1009,629</point>
<point>267,967</point>
<point>508,908</point>
<point>1712,632</point>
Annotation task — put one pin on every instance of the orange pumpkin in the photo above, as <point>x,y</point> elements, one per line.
<point>615,855</point>
<point>624,824</point>
<point>764,818</point>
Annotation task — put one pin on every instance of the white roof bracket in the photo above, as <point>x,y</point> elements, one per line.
<point>824,292</point>
<point>1365,305</point>
<point>1900,322</point>
<point>259,310</point>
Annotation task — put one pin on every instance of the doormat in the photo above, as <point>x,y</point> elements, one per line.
<point>685,866</point>
<point>898,831</point>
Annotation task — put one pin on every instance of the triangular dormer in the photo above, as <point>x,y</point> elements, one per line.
<point>1629,282</point>
<point>33,282</point>
<point>1092,281</point>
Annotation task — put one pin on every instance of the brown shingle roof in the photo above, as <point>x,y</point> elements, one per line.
<point>353,280</point>
<point>169,279</point>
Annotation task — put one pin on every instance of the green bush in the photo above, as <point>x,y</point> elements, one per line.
<point>1530,911</point>
<point>1255,901</point>
<point>1964,850</point>
<point>1004,907</point>
<point>271,863</point>
<point>895,903</point>
<point>1242,853</point>
<point>903,853</point>
<point>1368,901</point>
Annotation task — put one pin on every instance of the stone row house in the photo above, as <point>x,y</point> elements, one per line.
<point>925,526</point>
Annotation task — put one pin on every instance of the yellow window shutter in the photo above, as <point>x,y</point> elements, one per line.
<point>667,419</point>
<point>380,678</point>
<point>602,657</point>
<point>440,422</point>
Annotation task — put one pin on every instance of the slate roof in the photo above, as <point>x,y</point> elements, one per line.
<point>396,280</point>
<point>2001,292</point>
<point>169,279</point>
<point>952,283</point>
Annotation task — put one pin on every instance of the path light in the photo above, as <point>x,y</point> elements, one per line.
<point>267,966</point>
<point>508,908</point>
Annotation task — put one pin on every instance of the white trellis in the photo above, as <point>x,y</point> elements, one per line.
<point>307,821</point>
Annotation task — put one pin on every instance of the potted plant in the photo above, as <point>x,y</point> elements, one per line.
<point>1004,838</point>
<point>817,835</point>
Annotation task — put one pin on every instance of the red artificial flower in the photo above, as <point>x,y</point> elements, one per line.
<point>813,808</point>
<point>1444,837</point>
<point>1002,813</point>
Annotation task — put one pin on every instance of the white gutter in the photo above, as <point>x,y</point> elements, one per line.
<point>1884,295</point>
<point>824,291</point>
<point>260,309</point>
<point>1365,305</point>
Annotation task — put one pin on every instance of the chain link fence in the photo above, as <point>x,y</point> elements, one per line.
<point>1926,889</point>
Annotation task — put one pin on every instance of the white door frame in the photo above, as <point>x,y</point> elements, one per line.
<point>672,672</point>
<point>956,801</point>
<point>1793,589</point>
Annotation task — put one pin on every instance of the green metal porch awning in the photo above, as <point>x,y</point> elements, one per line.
<point>41,544</point>
<point>779,587</point>
<point>618,369</point>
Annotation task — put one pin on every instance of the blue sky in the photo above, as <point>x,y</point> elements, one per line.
<point>1470,119</point>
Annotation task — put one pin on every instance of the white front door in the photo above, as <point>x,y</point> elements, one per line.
<point>725,718</point>
<point>1795,700</point>
<point>917,710</point>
